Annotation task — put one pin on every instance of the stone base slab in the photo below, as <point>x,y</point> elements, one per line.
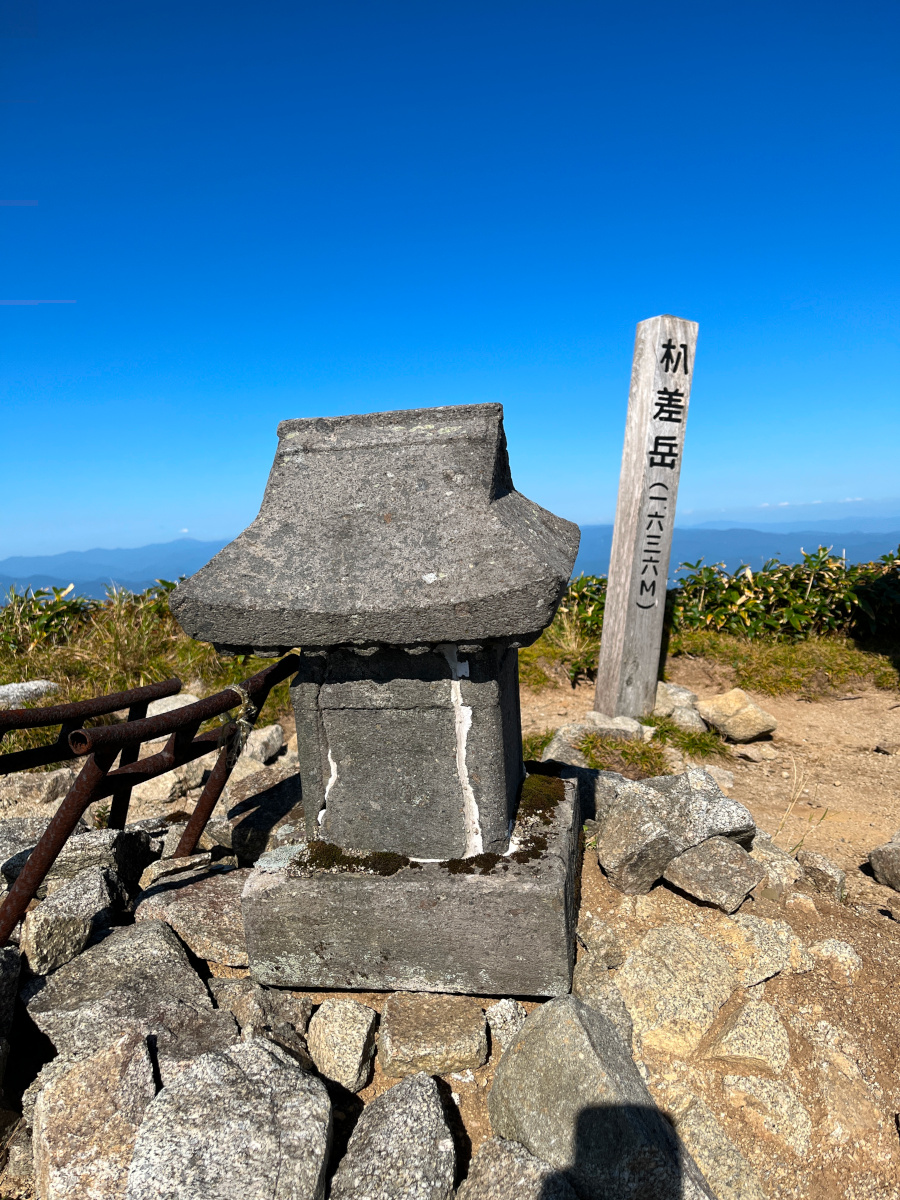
<point>505,929</point>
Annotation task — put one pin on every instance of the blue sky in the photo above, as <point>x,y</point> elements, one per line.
<point>285,210</point>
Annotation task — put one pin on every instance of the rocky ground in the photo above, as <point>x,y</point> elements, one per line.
<point>838,759</point>
<point>729,990</point>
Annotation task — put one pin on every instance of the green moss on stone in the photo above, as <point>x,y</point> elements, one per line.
<point>539,797</point>
<point>325,856</point>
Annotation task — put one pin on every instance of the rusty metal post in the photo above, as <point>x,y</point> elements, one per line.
<point>121,797</point>
<point>209,798</point>
<point>55,836</point>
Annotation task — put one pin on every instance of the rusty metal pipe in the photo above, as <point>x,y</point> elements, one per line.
<point>209,798</point>
<point>55,836</point>
<point>87,741</point>
<point>158,764</point>
<point>82,710</point>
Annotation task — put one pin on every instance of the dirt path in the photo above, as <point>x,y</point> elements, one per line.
<point>846,795</point>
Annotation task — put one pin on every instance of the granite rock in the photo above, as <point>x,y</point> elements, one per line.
<point>86,1121</point>
<point>167,868</point>
<point>124,852</point>
<point>568,1091</point>
<point>341,1040</point>
<point>673,986</point>
<point>432,1033</point>
<point>687,718</point>
<point>280,1016</point>
<point>670,696</point>
<point>728,1173</point>
<point>770,1107</point>
<point>61,927</point>
<point>246,1124</point>
<point>18,1175</point>
<point>19,835</point>
<point>563,746</point>
<point>401,1146</point>
<point>758,948</point>
<point>504,1170</point>
<point>752,1040</point>
<point>736,716</point>
<point>755,752</point>
<point>15,695</point>
<point>624,729</point>
<point>34,788</point>
<point>154,795</point>
<point>264,743</point>
<point>885,863</point>
<point>204,909</point>
<point>839,960</point>
<point>725,779</point>
<point>634,844</point>
<point>602,940</point>
<point>400,528</point>
<point>137,978</point>
<point>255,1005</point>
<point>594,986</point>
<point>718,871</point>
<point>782,871</point>
<point>651,823</point>
<point>167,704</point>
<point>822,873</point>
<point>696,809</point>
<point>505,1019</point>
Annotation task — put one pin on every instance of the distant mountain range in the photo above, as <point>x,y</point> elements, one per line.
<point>740,547</point>
<point>845,525</point>
<point>93,571</point>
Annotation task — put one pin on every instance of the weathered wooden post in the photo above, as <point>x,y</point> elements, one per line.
<point>645,516</point>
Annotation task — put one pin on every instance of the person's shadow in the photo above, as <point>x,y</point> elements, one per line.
<point>626,1152</point>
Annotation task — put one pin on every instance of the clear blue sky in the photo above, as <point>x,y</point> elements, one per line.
<point>294,209</point>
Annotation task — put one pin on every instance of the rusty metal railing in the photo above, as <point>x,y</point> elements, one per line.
<point>70,717</point>
<point>101,745</point>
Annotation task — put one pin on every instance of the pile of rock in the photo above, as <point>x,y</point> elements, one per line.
<point>679,1066</point>
<point>163,1087</point>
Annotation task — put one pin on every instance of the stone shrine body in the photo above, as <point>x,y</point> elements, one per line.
<point>394,552</point>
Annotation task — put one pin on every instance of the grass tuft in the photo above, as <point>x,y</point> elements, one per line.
<point>692,744</point>
<point>634,760</point>
<point>534,744</point>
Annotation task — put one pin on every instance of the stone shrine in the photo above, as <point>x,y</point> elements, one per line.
<point>392,550</point>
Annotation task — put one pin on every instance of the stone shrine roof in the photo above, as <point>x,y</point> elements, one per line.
<point>399,528</point>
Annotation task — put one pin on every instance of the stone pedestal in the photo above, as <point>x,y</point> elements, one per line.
<point>489,925</point>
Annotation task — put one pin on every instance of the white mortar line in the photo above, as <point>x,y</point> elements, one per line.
<point>463,721</point>
<point>332,780</point>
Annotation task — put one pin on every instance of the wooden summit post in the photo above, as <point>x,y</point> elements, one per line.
<point>645,516</point>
